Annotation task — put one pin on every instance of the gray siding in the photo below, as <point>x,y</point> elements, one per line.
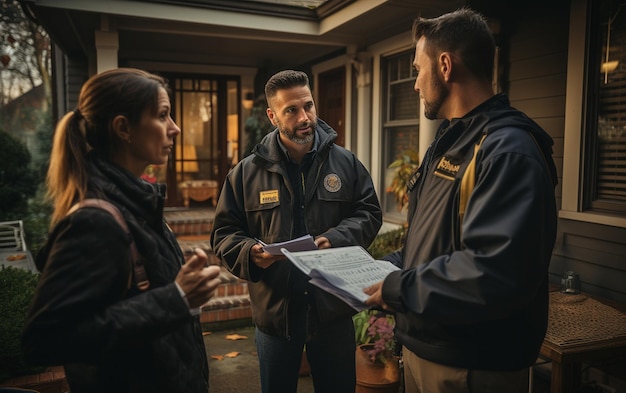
<point>537,85</point>
<point>69,74</point>
<point>537,72</point>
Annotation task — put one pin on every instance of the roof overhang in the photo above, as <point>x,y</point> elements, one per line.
<point>227,32</point>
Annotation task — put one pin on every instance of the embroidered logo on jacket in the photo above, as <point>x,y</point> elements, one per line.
<point>332,183</point>
<point>269,196</point>
<point>447,169</point>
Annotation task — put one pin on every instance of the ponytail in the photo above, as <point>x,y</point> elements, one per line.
<point>67,173</point>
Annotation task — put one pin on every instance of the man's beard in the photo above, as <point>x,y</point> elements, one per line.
<point>431,109</point>
<point>292,136</point>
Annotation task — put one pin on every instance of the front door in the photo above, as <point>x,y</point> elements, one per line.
<point>331,101</point>
<point>206,110</point>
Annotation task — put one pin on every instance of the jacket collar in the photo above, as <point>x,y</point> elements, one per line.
<point>123,188</point>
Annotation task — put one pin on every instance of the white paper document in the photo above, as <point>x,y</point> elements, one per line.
<point>342,271</point>
<point>303,243</point>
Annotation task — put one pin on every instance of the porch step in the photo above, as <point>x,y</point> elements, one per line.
<point>189,243</point>
<point>190,222</point>
<point>230,305</point>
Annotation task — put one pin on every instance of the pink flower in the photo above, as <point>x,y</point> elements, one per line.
<point>375,327</point>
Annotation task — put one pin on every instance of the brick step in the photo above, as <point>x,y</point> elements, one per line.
<point>185,222</point>
<point>51,380</point>
<point>191,227</point>
<point>189,243</point>
<point>231,303</point>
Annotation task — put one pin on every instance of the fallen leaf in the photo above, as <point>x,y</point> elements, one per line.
<point>232,355</point>
<point>206,333</point>
<point>217,357</point>
<point>235,337</point>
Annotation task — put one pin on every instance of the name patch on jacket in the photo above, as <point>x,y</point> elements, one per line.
<point>269,196</point>
<point>446,168</point>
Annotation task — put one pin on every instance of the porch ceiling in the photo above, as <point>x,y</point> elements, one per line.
<point>229,32</point>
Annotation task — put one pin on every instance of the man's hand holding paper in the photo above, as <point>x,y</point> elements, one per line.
<point>343,271</point>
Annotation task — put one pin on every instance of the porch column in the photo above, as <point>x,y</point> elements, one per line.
<point>107,45</point>
<point>364,110</point>
<point>427,131</point>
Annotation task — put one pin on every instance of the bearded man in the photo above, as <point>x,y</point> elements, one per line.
<point>296,182</point>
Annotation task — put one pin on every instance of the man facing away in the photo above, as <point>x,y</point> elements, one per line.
<point>471,301</point>
<point>296,182</point>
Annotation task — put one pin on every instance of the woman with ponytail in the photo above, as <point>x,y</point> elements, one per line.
<point>117,307</point>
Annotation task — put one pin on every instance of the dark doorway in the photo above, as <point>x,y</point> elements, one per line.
<point>331,101</point>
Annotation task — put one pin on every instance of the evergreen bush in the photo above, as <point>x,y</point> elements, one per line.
<point>18,182</point>
<point>17,288</point>
<point>387,242</point>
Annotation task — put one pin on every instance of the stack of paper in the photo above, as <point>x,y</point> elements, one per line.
<point>342,271</point>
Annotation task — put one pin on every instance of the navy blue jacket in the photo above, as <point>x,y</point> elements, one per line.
<point>474,293</point>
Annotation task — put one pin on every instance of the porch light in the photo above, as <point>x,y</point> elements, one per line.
<point>609,65</point>
<point>248,101</point>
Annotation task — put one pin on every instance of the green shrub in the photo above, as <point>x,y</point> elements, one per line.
<point>17,288</point>
<point>37,221</point>
<point>387,242</point>
<point>18,182</point>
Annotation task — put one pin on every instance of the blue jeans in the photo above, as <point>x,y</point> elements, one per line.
<point>330,352</point>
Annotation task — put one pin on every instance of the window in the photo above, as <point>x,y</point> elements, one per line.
<point>605,188</point>
<point>400,120</point>
<point>196,148</point>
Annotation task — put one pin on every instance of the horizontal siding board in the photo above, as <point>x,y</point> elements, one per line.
<point>550,64</point>
<point>555,126</point>
<point>594,251</point>
<point>546,86</point>
<point>531,47</point>
<point>540,32</point>
<point>606,233</point>
<point>598,280</point>
<point>544,107</point>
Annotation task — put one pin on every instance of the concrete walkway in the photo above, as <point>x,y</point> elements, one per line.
<point>238,374</point>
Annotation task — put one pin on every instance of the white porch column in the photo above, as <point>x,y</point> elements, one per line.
<point>427,131</point>
<point>107,45</point>
<point>364,110</point>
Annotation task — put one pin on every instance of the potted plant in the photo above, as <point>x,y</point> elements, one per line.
<point>376,362</point>
<point>404,167</point>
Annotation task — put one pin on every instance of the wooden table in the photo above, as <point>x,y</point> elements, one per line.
<point>580,329</point>
<point>199,190</point>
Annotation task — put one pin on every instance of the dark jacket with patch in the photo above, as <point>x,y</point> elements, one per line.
<point>108,337</point>
<point>256,202</point>
<point>474,294</point>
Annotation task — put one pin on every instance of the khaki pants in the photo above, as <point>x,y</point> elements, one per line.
<point>423,376</point>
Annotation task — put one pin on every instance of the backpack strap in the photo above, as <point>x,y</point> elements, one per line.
<point>141,278</point>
